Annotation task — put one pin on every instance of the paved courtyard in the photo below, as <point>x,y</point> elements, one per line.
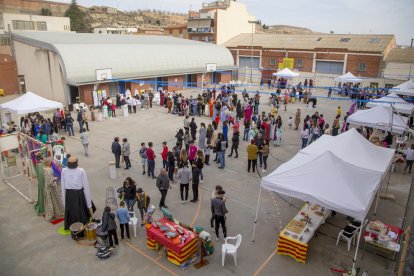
<point>32,246</point>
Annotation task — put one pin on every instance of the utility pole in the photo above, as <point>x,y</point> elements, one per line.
<point>251,56</point>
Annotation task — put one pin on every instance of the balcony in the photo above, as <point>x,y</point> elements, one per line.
<point>217,4</point>
<point>203,30</point>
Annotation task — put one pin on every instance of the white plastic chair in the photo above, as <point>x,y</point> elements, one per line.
<point>133,221</point>
<point>58,153</point>
<point>354,235</point>
<point>228,248</point>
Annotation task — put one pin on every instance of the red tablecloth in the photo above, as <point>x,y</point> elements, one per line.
<point>393,228</point>
<point>158,236</point>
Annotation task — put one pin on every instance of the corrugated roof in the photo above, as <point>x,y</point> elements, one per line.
<point>401,55</point>
<point>129,56</point>
<point>363,43</point>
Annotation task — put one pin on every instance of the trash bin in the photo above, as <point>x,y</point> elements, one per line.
<point>125,109</point>
<point>112,170</point>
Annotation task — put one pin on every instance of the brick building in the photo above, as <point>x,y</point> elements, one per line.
<point>176,31</point>
<point>362,55</point>
<point>136,62</point>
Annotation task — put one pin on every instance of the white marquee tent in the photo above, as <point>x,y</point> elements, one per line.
<point>341,173</point>
<point>406,88</point>
<point>286,73</point>
<point>348,77</point>
<point>329,181</point>
<point>379,117</point>
<point>353,148</point>
<point>29,102</point>
<point>397,103</point>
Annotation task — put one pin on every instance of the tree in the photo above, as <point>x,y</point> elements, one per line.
<point>45,12</point>
<point>79,20</point>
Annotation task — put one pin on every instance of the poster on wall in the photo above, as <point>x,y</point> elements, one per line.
<point>95,98</point>
<point>99,92</point>
<point>104,94</point>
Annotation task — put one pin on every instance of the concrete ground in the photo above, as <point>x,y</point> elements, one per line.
<point>32,246</point>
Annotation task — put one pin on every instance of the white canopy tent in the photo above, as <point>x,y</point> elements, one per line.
<point>348,77</point>
<point>406,88</point>
<point>341,173</point>
<point>328,181</point>
<point>286,73</point>
<point>397,103</point>
<point>379,117</point>
<point>29,102</point>
<point>353,148</point>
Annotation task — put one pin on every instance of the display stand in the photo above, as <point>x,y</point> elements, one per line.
<point>202,261</point>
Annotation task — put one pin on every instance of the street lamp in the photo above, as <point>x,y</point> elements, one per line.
<point>251,56</point>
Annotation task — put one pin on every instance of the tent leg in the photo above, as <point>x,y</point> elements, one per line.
<point>357,246</point>
<point>257,213</point>
<point>376,203</point>
<point>386,195</point>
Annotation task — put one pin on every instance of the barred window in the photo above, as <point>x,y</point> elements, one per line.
<point>22,25</point>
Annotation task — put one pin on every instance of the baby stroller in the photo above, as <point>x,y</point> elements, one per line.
<point>101,244</point>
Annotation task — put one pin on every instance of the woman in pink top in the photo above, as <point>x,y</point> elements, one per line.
<point>192,152</point>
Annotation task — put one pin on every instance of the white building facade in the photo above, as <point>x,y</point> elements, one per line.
<point>27,22</point>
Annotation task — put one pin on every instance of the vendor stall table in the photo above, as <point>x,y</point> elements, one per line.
<point>294,239</point>
<point>177,251</point>
<point>389,248</point>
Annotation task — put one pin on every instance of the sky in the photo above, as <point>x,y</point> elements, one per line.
<point>340,16</point>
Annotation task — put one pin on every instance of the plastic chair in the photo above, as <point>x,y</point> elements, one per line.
<point>133,221</point>
<point>58,153</point>
<point>228,248</point>
<point>350,233</point>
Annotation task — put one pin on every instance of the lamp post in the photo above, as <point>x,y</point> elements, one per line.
<point>251,56</point>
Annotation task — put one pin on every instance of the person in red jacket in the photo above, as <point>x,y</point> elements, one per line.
<point>150,160</point>
<point>164,154</point>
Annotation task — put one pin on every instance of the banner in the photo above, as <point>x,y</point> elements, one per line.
<point>287,63</point>
<point>95,98</point>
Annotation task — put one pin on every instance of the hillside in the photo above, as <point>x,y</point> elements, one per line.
<point>283,29</point>
<point>138,19</point>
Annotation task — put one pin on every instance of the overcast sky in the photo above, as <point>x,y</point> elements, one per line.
<point>341,16</point>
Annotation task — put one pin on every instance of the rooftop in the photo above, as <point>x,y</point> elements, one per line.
<point>401,55</point>
<point>130,57</point>
<point>352,42</point>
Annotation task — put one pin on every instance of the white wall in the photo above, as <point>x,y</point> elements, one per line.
<point>53,23</point>
<point>233,21</point>
<point>399,71</point>
<point>42,72</point>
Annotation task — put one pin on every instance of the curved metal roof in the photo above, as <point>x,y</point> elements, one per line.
<point>129,56</point>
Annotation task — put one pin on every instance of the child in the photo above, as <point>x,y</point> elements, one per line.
<point>143,155</point>
<point>290,122</point>
<point>109,225</point>
<point>207,150</point>
<point>123,218</point>
<point>338,111</point>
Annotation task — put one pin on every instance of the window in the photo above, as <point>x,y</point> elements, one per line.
<point>362,67</point>
<point>298,62</point>
<point>41,26</point>
<point>374,40</point>
<point>22,25</point>
<point>345,39</point>
<point>272,61</point>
